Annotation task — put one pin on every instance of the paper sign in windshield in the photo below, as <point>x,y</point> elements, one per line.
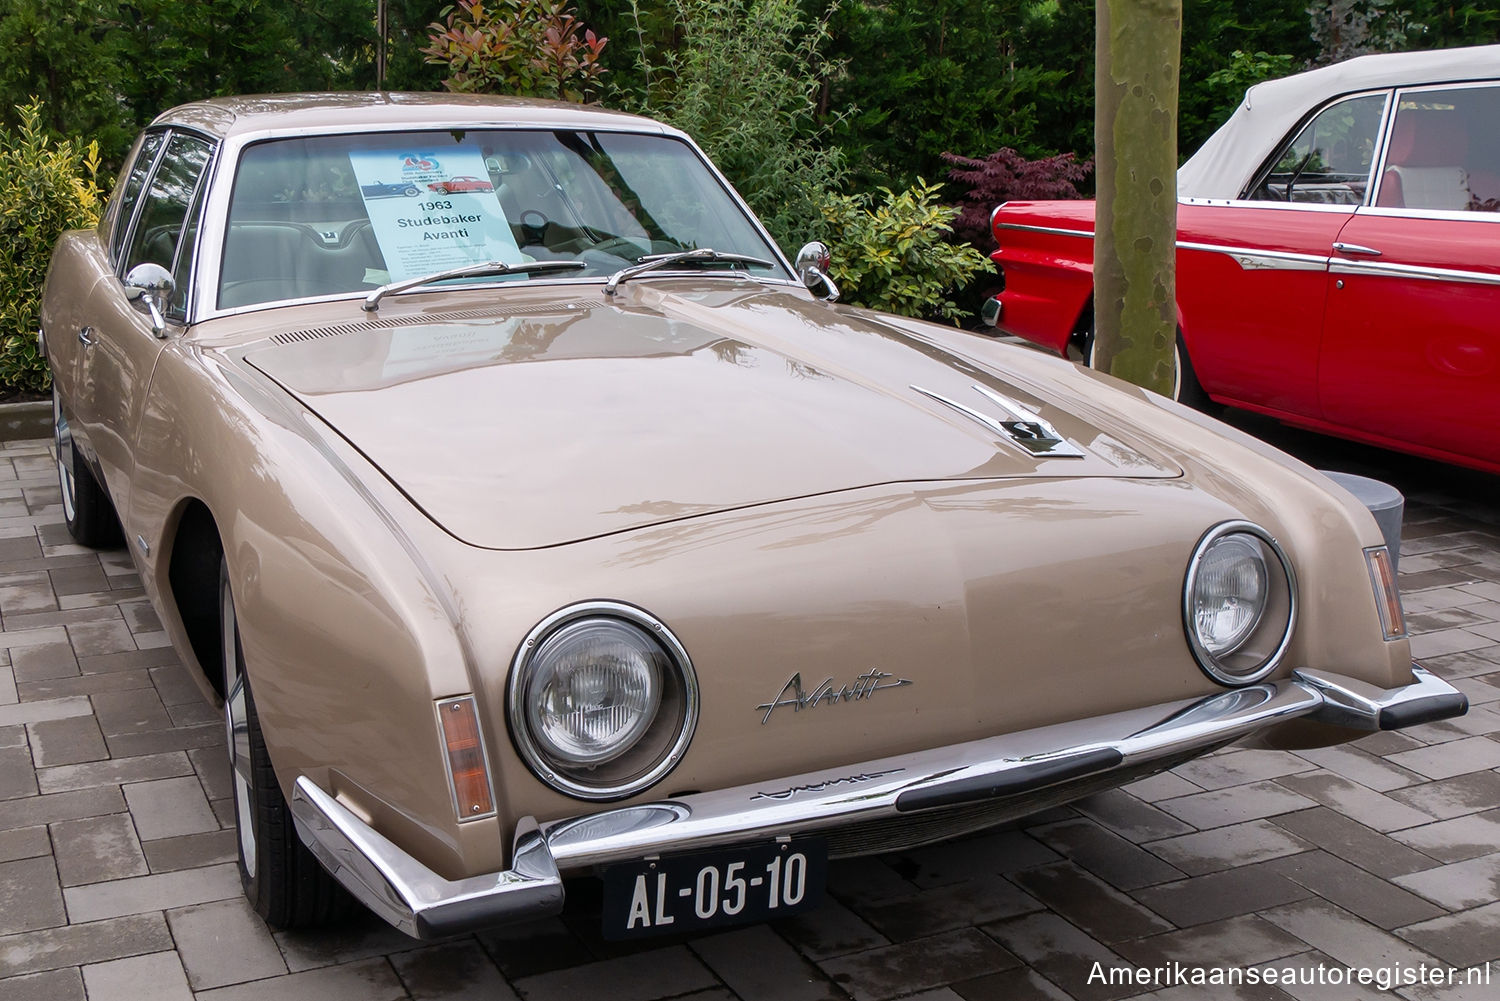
<point>432,211</point>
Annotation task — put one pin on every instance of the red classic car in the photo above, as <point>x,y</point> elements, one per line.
<point>1338,256</point>
<point>464,183</point>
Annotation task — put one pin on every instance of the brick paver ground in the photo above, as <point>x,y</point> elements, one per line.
<point>117,878</point>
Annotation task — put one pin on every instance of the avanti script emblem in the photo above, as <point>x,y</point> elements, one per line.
<point>799,698</point>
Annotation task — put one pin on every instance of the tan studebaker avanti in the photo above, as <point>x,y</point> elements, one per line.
<point>553,524</point>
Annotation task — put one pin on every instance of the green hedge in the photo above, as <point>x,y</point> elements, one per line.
<point>46,187</point>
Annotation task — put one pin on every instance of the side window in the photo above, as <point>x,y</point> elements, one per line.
<point>130,191</point>
<point>1444,152</point>
<point>163,217</point>
<point>1329,161</point>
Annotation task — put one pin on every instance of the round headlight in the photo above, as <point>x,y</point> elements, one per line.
<point>602,700</point>
<point>1238,603</point>
<point>595,687</point>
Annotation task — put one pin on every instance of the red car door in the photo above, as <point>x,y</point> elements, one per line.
<point>1411,345</point>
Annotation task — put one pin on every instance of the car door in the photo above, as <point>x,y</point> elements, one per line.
<point>1411,346</point>
<point>123,340</point>
<point>1253,272</point>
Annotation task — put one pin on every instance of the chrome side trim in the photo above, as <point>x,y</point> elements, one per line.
<point>1252,259</point>
<point>1420,272</point>
<point>413,898</point>
<point>1056,230</point>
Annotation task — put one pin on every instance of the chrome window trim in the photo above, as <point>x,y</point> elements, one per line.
<point>196,205</point>
<point>1425,273</point>
<point>515,713</point>
<point>1206,660</point>
<point>214,230</point>
<point>1382,133</point>
<point>118,262</point>
<point>1436,215</point>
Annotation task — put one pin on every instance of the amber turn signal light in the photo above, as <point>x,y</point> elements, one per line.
<point>466,764</point>
<point>1387,595</point>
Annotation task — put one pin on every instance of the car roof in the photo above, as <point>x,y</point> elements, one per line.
<point>225,117</point>
<point>1222,166</point>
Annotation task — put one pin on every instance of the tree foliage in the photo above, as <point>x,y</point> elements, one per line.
<point>528,48</point>
<point>1005,175</point>
<point>46,187</point>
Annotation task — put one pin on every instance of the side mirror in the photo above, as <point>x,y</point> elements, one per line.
<point>812,267</point>
<point>989,313</point>
<point>151,284</point>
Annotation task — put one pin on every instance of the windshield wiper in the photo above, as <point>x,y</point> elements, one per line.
<point>653,261</point>
<point>372,301</point>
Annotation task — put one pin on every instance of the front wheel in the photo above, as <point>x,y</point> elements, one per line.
<point>87,510</point>
<point>283,880</point>
<point>1185,386</point>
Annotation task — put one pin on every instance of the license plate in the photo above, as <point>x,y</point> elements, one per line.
<point>683,893</point>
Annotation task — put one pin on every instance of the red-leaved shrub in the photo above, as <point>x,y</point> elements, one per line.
<point>1005,175</point>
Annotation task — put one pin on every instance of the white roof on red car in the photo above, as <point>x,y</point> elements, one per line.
<point>1223,165</point>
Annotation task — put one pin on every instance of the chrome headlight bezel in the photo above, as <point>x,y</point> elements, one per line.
<point>661,745</point>
<point>1266,643</point>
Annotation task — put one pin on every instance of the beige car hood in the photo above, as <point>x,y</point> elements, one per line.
<point>548,422</point>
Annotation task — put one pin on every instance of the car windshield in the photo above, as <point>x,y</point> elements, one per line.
<point>329,215</point>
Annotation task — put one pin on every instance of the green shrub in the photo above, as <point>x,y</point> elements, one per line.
<point>528,48</point>
<point>45,187</point>
<point>742,77</point>
<point>893,255</point>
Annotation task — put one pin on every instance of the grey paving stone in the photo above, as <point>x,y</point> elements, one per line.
<point>1312,976</point>
<point>87,684</point>
<point>1362,767</point>
<point>1455,797</point>
<point>1458,885</point>
<point>61,806</point>
<point>224,943</point>
<point>1464,939</point>
<point>78,579</point>
<point>943,908</point>
<point>1356,890</point>
<point>1443,761</point>
<point>154,742</point>
<point>1241,941</point>
<point>97,901</point>
<point>1376,811</point>
<point>456,972</point>
<point>54,985</point>
<point>1446,641</point>
<point>130,660</point>
<point>1094,906</point>
<point>1225,847</point>
<point>532,948</point>
<point>1354,842</point>
<point>897,970</point>
<point>861,881</point>
<point>17,777</point>
<point>1235,805</point>
<point>43,662</point>
<point>79,944</point>
<point>25,842</point>
<point>13,639</point>
<point>32,898</point>
<point>640,977</point>
<point>1010,985</point>
<point>987,854</point>
<point>1348,939</point>
<point>189,851</point>
<point>1239,766</point>
<point>1464,665</point>
<point>1477,722</point>
<point>193,714</point>
<point>96,849</point>
<point>174,686</point>
<point>1457,839</point>
<point>758,965</point>
<point>1059,951</point>
<point>114,772</point>
<point>66,741</point>
<point>8,693</point>
<point>366,980</point>
<point>1130,818</point>
<point>156,975</point>
<point>361,937</point>
<point>830,929</point>
<point>134,711</point>
<point>1165,785</point>
<point>166,808</point>
<point>1106,854</point>
<point>35,712</point>
<point>1219,895</point>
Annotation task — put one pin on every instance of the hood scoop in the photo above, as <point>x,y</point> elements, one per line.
<point>452,316</point>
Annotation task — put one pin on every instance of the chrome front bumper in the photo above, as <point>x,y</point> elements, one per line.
<point>419,902</point>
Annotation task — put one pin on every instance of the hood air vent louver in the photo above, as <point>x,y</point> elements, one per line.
<point>385,323</point>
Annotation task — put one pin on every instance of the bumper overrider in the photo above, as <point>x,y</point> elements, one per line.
<point>419,902</point>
